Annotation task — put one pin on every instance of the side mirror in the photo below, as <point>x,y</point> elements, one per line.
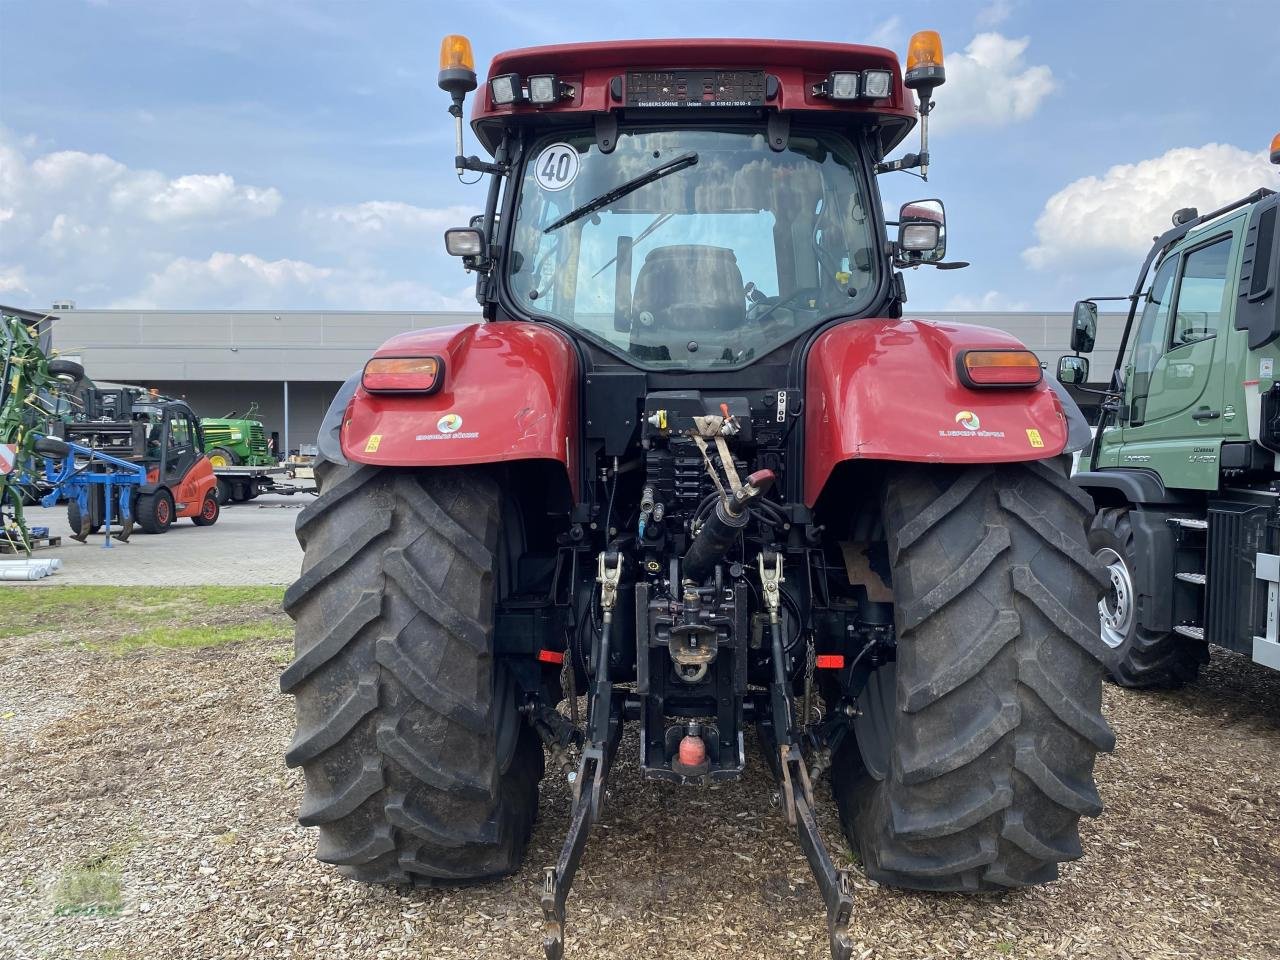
<point>1073,370</point>
<point>1084,326</point>
<point>464,242</point>
<point>922,232</point>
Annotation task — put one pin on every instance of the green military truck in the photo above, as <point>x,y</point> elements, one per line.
<point>1184,468</point>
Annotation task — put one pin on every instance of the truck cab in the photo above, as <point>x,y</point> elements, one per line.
<point>1183,470</point>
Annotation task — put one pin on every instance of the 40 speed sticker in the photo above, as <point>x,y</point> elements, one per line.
<point>556,166</point>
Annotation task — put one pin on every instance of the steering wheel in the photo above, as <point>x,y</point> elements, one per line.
<point>794,295</point>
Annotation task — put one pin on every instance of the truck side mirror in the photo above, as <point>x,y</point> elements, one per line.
<point>1073,371</point>
<point>1084,326</point>
<point>922,232</point>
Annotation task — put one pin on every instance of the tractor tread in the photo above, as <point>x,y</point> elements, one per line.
<point>991,744</point>
<point>418,767</point>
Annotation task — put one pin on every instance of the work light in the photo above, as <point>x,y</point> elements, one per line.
<point>505,89</point>
<point>544,89</point>
<point>463,242</point>
<point>920,236</point>
<point>842,85</point>
<point>876,84</point>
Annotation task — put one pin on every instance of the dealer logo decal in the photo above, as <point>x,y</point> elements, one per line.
<point>972,427</point>
<point>449,423</point>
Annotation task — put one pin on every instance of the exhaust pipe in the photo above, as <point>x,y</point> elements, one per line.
<point>722,528</point>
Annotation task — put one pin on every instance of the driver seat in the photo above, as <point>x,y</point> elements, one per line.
<point>688,288</point>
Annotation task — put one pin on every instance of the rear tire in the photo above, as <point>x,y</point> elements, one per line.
<point>419,768</point>
<point>154,511</point>
<point>1135,656</point>
<point>975,749</point>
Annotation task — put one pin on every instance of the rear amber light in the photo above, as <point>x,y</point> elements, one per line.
<point>829,661</point>
<point>1000,368</point>
<point>403,375</point>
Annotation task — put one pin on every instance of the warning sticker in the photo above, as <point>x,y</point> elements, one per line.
<point>556,166</point>
<point>372,445</point>
<point>1034,438</point>
<point>8,457</point>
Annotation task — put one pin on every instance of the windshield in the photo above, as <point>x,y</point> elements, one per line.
<point>728,251</point>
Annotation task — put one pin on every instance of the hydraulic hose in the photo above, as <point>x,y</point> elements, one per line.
<point>720,530</point>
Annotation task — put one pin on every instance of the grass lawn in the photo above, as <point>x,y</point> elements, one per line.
<point>121,619</point>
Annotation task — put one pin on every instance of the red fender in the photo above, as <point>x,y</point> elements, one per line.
<point>889,390</point>
<point>510,392</point>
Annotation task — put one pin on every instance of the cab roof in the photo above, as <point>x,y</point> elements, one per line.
<point>798,65</point>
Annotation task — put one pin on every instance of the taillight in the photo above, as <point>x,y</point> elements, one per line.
<point>999,368</point>
<point>403,375</point>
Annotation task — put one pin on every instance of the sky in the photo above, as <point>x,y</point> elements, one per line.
<point>286,154</point>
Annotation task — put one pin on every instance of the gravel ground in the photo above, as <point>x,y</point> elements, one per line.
<point>163,768</point>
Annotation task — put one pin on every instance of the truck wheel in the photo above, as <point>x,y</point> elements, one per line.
<point>1133,655</point>
<point>974,755</point>
<point>209,511</point>
<point>154,511</point>
<point>419,768</point>
<point>223,457</point>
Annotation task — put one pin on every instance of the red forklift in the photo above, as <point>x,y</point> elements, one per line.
<point>161,433</point>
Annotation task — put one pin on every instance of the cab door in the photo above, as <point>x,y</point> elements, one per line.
<point>1173,388</point>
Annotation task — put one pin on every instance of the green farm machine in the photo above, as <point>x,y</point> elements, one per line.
<point>1184,468</point>
<point>233,441</point>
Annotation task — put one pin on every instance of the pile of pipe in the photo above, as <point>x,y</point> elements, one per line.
<point>31,569</point>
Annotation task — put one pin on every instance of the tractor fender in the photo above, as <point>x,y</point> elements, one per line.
<point>889,389</point>
<point>510,392</point>
<point>329,439</point>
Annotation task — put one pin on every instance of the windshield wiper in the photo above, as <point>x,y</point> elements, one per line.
<point>622,189</point>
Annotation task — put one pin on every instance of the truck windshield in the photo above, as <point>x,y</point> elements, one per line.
<point>730,253</point>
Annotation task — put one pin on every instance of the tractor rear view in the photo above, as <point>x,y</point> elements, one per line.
<point>696,466</point>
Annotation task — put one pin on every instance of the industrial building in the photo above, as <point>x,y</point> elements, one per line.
<point>291,362</point>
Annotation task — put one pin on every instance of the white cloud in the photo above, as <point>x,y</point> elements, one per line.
<point>886,33</point>
<point>197,196</point>
<point>248,281</point>
<point>12,281</point>
<point>990,84</point>
<point>1119,212</point>
<point>993,301</point>
<point>995,13</point>
<point>393,219</point>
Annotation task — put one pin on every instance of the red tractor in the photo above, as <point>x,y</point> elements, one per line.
<point>697,466</point>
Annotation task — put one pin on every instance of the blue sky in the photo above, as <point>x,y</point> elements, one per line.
<point>268,153</point>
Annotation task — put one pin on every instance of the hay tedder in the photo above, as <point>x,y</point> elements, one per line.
<point>698,466</point>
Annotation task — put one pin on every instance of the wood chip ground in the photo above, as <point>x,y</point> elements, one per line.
<point>166,766</point>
